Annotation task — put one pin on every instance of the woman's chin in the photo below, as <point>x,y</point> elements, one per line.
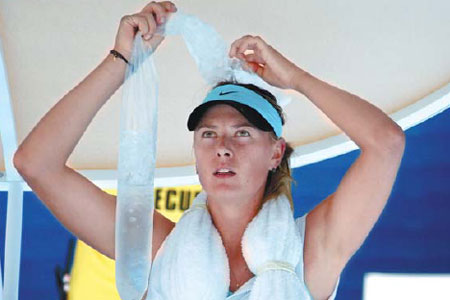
<point>223,189</point>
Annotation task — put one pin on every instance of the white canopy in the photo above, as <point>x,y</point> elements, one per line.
<point>390,53</point>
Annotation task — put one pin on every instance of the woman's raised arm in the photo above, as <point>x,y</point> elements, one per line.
<point>41,159</point>
<point>337,227</point>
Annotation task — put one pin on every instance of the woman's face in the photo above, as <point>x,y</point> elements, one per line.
<point>225,139</point>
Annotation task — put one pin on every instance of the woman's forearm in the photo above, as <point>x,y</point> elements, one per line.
<point>363,122</point>
<point>53,139</point>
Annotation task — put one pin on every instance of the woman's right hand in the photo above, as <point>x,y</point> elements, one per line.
<point>145,22</point>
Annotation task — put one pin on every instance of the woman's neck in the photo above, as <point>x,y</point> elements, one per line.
<point>231,217</point>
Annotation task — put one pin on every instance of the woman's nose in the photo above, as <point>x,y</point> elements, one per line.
<point>223,148</point>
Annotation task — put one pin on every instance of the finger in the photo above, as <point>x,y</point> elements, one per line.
<point>236,44</point>
<point>233,47</point>
<point>248,42</point>
<point>253,43</point>
<point>254,58</point>
<point>137,21</point>
<point>155,9</point>
<point>236,50</point>
<point>253,67</point>
<point>151,26</point>
<point>161,7</point>
<point>258,69</point>
<point>160,12</point>
<point>149,7</point>
<point>169,6</point>
<point>240,49</point>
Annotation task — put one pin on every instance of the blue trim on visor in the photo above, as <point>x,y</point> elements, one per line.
<point>248,97</point>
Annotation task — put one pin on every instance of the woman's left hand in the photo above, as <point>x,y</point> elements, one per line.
<point>267,62</point>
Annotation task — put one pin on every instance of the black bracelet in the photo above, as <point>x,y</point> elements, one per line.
<point>117,54</point>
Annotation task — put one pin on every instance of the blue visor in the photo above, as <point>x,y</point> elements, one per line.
<point>230,93</point>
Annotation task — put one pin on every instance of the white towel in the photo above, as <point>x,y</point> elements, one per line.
<point>192,263</point>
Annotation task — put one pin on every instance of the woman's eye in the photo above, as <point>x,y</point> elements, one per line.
<point>208,134</point>
<point>243,133</point>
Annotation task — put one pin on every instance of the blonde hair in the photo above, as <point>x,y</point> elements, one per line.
<point>278,182</point>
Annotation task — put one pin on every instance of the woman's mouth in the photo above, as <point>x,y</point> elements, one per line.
<point>224,173</point>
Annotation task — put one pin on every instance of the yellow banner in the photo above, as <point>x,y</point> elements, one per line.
<point>93,274</point>
<point>172,201</point>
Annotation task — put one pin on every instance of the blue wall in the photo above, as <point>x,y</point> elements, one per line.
<point>412,234</point>
<point>44,245</point>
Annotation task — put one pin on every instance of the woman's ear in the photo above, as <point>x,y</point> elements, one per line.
<point>280,147</point>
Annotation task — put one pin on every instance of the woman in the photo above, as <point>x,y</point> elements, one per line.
<point>235,157</point>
